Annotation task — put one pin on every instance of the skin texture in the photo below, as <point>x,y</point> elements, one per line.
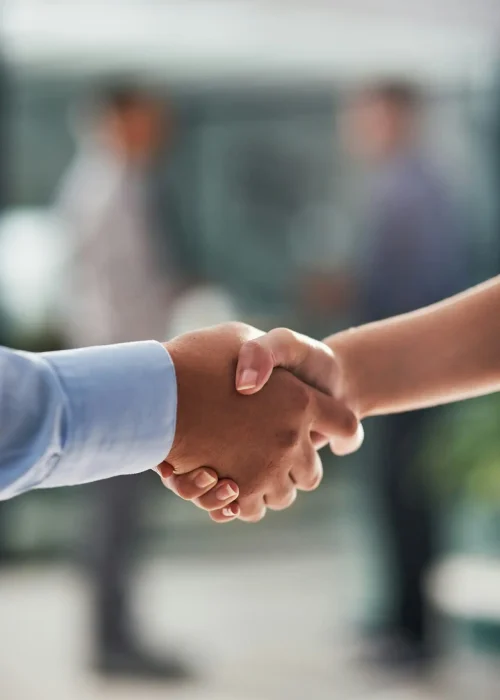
<point>266,443</point>
<point>446,352</point>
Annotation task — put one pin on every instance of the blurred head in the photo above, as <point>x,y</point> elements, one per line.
<point>132,122</point>
<point>381,120</point>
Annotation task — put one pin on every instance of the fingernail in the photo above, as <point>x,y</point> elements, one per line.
<point>230,511</point>
<point>247,379</point>
<point>224,492</point>
<point>204,479</point>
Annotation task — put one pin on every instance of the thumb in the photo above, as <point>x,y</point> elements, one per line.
<point>256,362</point>
<point>345,446</point>
<point>338,424</point>
<point>309,360</point>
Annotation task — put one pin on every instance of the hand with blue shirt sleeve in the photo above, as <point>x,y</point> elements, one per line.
<point>82,415</point>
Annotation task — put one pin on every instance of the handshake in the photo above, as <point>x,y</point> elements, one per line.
<point>252,411</point>
<point>265,443</point>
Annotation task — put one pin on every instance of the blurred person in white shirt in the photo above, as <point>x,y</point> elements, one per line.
<point>125,269</point>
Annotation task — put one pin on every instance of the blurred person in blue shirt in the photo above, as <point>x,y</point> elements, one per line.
<point>127,265</point>
<point>415,256</point>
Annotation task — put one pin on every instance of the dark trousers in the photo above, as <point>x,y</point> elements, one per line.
<point>408,511</point>
<point>115,535</point>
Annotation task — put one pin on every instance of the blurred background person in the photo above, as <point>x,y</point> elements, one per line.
<point>126,267</point>
<point>253,187</point>
<point>414,255</point>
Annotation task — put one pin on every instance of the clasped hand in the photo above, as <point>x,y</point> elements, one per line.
<point>248,430</point>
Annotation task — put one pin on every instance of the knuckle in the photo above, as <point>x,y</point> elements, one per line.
<point>313,481</point>
<point>350,424</point>
<point>311,478</point>
<point>253,510</point>
<point>317,480</point>
<point>283,501</point>
<point>253,344</point>
<point>288,438</point>
<point>257,349</point>
<point>282,335</point>
<point>184,489</point>
<point>236,327</point>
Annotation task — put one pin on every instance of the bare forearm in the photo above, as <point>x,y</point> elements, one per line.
<point>446,352</point>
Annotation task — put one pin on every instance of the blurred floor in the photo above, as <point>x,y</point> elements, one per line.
<point>256,627</point>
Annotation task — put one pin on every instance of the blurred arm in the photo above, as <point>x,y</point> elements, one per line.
<point>445,352</point>
<point>76,416</point>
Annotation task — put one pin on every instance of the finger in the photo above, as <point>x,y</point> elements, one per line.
<point>252,509</point>
<point>193,484</point>
<point>223,494</point>
<point>165,470</point>
<point>311,361</point>
<point>308,473</point>
<point>284,498</point>
<point>334,420</point>
<point>342,447</point>
<point>226,514</point>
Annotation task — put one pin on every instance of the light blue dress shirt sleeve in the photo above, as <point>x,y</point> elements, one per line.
<point>81,415</point>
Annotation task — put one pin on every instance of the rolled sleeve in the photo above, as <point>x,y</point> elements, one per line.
<point>120,408</point>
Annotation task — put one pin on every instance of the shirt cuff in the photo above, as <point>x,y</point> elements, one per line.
<point>121,406</point>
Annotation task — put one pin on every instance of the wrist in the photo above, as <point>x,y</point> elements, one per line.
<point>356,384</point>
<point>176,356</point>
